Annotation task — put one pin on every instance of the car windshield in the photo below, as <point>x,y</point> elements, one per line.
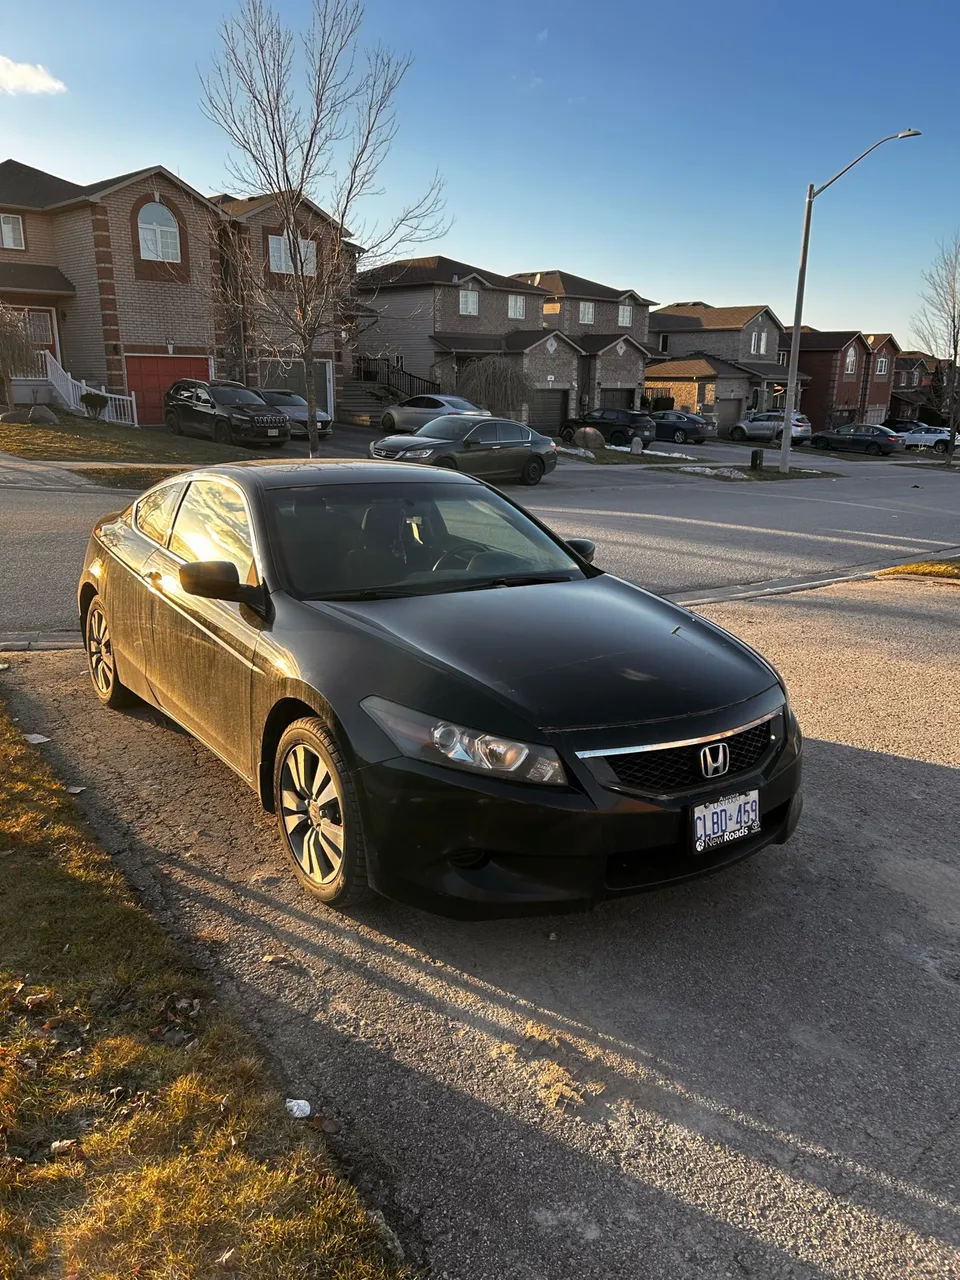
<point>364,541</point>
<point>446,428</point>
<point>283,397</point>
<point>455,402</point>
<point>236,395</point>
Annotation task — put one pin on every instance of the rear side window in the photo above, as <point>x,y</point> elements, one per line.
<point>511,433</point>
<point>155,512</point>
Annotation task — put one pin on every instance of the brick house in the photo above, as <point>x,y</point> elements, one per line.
<point>743,338</point>
<point>434,315</point>
<point>834,363</point>
<point>698,384</point>
<point>609,325</point>
<point>910,395</point>
<point>878,377</point>
<point>117,277</point>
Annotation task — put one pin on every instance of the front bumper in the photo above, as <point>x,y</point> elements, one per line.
<point>253,434</point>
<point>467,846</point>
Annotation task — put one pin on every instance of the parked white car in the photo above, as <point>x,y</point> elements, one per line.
<point>410,415</point>
<point>769,426</point>
<point>923,436</point>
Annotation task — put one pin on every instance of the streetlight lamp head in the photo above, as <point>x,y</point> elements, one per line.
<point>909,133</point>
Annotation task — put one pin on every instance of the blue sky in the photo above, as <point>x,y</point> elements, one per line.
<point>651,146</point>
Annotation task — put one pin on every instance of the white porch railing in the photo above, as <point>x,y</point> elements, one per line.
<point>119,408</point>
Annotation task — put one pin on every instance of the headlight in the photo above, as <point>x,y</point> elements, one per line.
<point>416,453</point>
<point>431,738</point>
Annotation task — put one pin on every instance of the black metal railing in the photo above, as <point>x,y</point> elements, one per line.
<point>383,370</point>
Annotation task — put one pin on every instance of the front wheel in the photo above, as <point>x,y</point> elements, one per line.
<point>680,437</point>
<point>222,433</point>
<point>821,443</point>
<point>738,434</point>
<point>102,663</point>
<point>531,472</point>
<point>448,464</point>
<point>173,424</point>
<point>318,814</point>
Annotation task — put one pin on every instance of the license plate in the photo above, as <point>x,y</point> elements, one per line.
<point>273,431</point>
<point>727,819</point>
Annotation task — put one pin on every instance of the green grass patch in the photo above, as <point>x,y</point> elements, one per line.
<point>138,478</point>
<point>949,568</point>
<point>82,440</point>
<point>140,1133</point>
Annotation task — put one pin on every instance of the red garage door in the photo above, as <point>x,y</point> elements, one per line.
<point>148,377</point>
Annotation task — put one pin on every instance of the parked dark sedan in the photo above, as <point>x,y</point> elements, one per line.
<point>294,408</point>
<point>674,424</point>
<point>860,436</point>
<point>617,426</point>
<point>437,697</point>
<point>492,448</point>
<point>227,412</point>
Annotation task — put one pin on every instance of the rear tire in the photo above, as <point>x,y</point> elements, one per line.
<point>874,450</point>
<point>567,434</point>
<point>738,434</point>
<point>173,424</point>
<point>388,422</point>
<point>318,814</point>
<point>531,472</point>
<point>940,446</point>
<point>101,663</point>
<point>618,438</point>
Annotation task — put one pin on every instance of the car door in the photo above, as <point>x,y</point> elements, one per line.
<point>179,402</point>
<point>481,450</point>
<point>204,411</point>
<point>200,660</point>
<point>515,447</point>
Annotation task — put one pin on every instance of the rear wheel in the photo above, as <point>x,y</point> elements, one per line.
<point>222,433</point>
<point>566,434</point>
<point>100,659</point>
<point>388,422</point>
<point>874,449</point>
<point>940,446</point>
<point>531,472</point>
<point>318,814</point>
<point>173,424</point>
<point>618,438</point>
<point>738,434</point>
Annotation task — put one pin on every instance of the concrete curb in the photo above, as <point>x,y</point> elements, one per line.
<point>26,641</point>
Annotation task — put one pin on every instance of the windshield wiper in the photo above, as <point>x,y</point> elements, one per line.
<point>446,588</point>
<point>366,593</point>
<point>514,580</point>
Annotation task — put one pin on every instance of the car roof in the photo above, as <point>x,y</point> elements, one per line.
<point>287,391</point>
<point>284,473</point>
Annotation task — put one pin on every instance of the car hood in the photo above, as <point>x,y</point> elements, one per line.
<point>572,655</point>
<point>412,442</point>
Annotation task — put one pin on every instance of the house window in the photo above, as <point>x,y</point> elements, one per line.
<point>587,312</point>
<point>851,365</point>
<point>755,342</point>
<point>41,329</point>
<point>11,231</point>
<point>664,341</point>
<point>916,378</point>
<point>469,302</point>
<point>281,258</point>
<point>783,357</point>
<point>625,319</point>
<point>901,379</point>
<point>516,306</point>
<point>159,234</point>
<point>882,366</point>
<point>763,342</point>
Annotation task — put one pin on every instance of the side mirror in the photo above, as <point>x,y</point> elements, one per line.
<point>583,547</point>
<point>219,580</point>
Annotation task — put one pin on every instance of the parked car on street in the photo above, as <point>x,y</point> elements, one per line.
<point>617,426</point>
<point>410,415</point>
<point>683,428</point>
<point>862,436</point>
<point>494,449</point>
<point>922,436</point>
<point>437,696</point>
<point>769,426</point>
<point>227,412</point>
<point>294,407</point>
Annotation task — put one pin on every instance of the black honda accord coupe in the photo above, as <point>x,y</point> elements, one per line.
<point>439,698</point>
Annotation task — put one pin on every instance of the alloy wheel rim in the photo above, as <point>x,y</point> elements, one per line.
<point>311,807</point>
<point>100,651</point>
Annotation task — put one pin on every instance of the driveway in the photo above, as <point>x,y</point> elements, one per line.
<point>751,1075</point>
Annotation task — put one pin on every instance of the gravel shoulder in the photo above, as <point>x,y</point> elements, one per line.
<point>753,1075</point>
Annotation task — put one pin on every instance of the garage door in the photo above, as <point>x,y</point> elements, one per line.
<point>148,377</point>
<point>615,398</point>
<point>549,411</point>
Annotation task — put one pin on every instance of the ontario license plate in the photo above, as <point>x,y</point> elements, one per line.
<point>273,431</point>
<point>724,820</point>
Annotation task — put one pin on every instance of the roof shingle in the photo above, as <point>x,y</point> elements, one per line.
<point>27,188</point>
<point>410,272</point>
<point>561,284</point>
<point>33,277</point>
<point>707,316</point>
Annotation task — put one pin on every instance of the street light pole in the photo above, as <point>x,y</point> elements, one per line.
<point>790,399</point>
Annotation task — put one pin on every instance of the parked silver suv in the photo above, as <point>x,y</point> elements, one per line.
<point>769,426</point>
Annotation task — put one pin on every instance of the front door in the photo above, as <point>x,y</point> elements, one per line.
<point>200,664</point>
<point>202,412</point>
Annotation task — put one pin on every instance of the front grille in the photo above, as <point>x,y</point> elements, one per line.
<point>678,768</point>
<point>267,420</point>
<point>383,453</point>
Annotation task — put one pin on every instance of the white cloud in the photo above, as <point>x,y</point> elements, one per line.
<point>542,35</point>
<point>25,77</point>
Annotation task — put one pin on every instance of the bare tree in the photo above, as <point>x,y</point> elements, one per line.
<point>937,325</point>
<point>311,120</point>
<point>18,355</point>
<point>496,383</point>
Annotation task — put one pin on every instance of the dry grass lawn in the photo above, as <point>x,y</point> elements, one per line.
<point>140,1135</point>
<point>81,440</point>
<point>925,569</point>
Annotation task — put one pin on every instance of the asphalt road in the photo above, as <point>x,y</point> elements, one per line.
<point>752,1075</point>
<point>670,532</point>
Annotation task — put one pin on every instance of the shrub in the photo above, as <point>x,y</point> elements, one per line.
<point>94,402</point>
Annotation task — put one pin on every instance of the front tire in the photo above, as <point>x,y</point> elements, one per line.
<point>447,464</point>
<point>820,442</point>
<point>679,437</point>
<point>101,662</point>
<point>531,472</point>
<point>738,434</point>
<point>318,814</point>
<point>222,433</point>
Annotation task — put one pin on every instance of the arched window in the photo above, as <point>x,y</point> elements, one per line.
<point>851,365</point>
<point>159,234</point>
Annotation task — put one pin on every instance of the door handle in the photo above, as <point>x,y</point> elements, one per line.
<point>495,446</point>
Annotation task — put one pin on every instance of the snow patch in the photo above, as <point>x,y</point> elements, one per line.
<point>662,453</point>
<point>729,473</point>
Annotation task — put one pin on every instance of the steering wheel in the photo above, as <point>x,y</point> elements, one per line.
<point>464,551</point>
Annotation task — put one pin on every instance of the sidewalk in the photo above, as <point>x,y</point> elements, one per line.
<point>27,473</point>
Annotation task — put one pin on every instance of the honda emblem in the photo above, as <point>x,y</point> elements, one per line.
<point>715,759</point>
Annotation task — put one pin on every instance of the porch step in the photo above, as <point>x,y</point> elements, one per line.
<point>362,403</point>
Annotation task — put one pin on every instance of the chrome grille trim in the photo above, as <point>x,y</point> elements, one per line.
<point>683,742</point>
